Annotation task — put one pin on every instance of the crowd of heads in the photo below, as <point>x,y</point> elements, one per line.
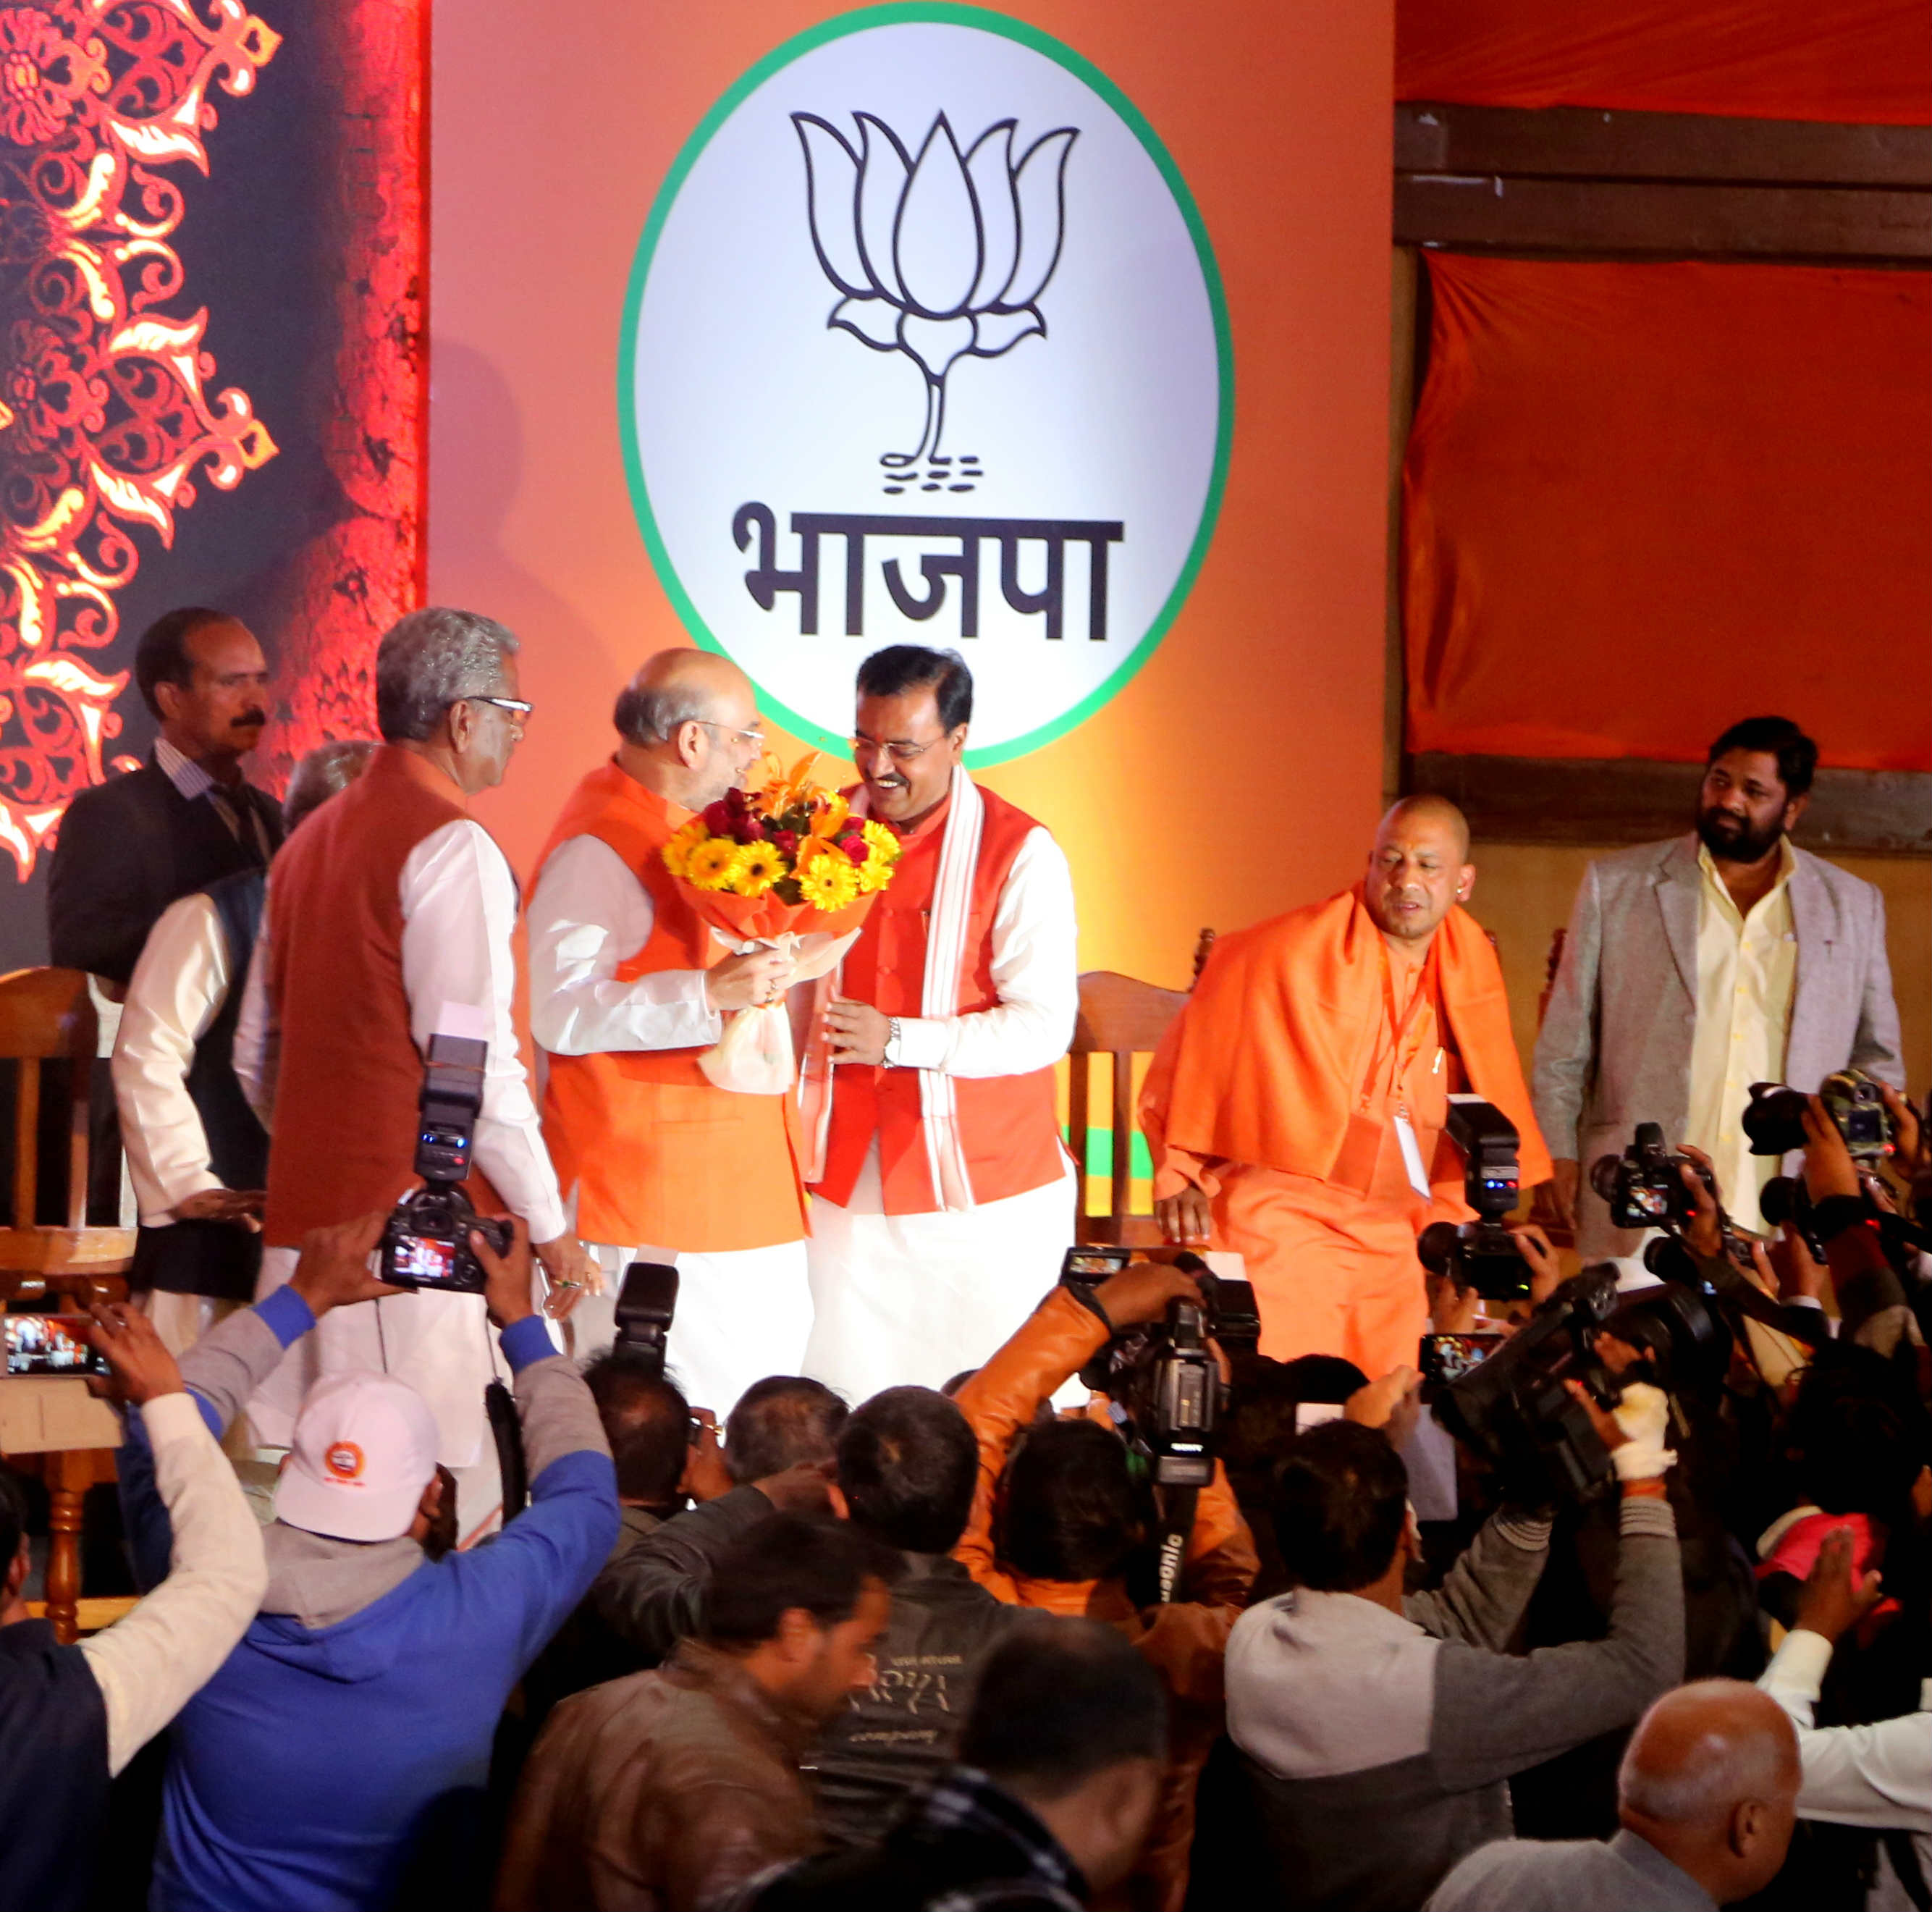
<point>1071,1717</point>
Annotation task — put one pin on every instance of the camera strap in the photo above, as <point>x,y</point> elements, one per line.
<point>506,1428</point>
<point>1177,1525</point>
<point>1749,1299</point>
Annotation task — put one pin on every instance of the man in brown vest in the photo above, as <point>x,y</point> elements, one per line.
<point>389,918</point>
<point>627,988</point>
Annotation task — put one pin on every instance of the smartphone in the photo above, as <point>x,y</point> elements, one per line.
<point>49,1344</point>
<point>1446,1357</point>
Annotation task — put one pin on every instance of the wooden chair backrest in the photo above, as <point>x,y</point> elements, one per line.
<point>1121,1018</point>
<point>1556,943</point>
<point>46,1014</point>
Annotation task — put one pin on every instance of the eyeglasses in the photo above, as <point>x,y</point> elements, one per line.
<point>750,736</point>
<point>515,706</point>
<point>900,753</point>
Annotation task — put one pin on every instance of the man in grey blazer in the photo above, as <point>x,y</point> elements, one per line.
<point>1694,967</point>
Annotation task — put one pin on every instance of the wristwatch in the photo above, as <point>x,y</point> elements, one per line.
<point>892,1056</point>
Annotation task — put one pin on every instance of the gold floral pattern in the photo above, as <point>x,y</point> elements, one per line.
<point>107,418</point>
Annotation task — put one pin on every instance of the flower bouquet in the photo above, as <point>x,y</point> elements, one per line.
<point>787,867</point>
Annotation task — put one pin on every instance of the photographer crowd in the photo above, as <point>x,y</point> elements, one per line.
<point>1426,1556</point>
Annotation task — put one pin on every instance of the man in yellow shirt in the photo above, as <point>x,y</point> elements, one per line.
<point>1695,967</point>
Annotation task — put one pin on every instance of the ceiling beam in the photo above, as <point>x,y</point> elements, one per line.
<point>1584,142</point>
<point>1576,182</point>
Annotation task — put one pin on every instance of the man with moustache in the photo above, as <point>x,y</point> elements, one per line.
<point>1295,1108</point>
<point>942,1195</point>
<point>1694,967</point>
<point>628,989</point>
<point>389,920</point>
<point>128,848</point>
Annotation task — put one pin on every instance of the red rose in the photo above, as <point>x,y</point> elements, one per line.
<point>718,818</point>
<point>856,848</point>
<point>786,840</point>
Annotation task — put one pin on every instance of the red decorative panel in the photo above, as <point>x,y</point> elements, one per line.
<point>110,415</point>
<point>355,581</point>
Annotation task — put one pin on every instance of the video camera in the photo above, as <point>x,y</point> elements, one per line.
<point>1644,1186</point>
<point>1162,1376</point>
<point>1515,1411</point>
<point>645,1303</point>
<point>426,1240</point>
<point>1773,1118</point>
<point>1481,1254</point>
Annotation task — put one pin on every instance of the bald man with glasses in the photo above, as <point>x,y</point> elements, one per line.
<point>628,989</point>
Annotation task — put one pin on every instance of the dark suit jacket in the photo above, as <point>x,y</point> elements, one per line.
<point>128,848</point>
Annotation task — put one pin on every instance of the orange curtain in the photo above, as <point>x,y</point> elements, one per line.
<point>1643,500</point>
<point>1865,61</point>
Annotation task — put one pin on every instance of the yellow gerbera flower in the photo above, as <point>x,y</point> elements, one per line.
<point>760,866</point>
<point>883,849</point>
<point>713,864</point>
<point>827,879</point>
<point>677,851</point>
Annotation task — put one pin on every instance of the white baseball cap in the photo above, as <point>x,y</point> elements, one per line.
<point>364,1448</point>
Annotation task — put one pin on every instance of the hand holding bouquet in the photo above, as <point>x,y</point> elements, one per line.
<point>787,867</point>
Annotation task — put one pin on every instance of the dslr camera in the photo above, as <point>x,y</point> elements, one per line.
<point>1514,1410</point>
<point>426,1240</point>
<point>1644,1186</point>
<point>1163,1376</point>
<point>1481,1254</point>
<point>645,1303</point>
<point>1773,1118</point>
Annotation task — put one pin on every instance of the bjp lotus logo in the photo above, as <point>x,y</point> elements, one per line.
<point>942,257</point>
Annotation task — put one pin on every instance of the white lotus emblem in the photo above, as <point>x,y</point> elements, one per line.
<point>941,257</point>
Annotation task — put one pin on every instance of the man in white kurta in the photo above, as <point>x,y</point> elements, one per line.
<point>191,965</point>
<point>407,908</point>
<point>659,1164</point>
<point>942,1195</point>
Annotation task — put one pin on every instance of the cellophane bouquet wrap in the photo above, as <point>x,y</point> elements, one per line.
<point>787,867</point>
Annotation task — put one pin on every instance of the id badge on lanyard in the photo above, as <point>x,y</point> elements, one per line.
<point>1405,1130</point>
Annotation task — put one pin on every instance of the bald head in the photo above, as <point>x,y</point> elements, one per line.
<point>689,725</point>
<point>1426,812</point>
<point>1418,870</point>
<point>1711,1780</point>
<point>680,686</point>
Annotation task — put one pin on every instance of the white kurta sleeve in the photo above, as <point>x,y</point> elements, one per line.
<point>177,990</point>
<point>1879,1776</point>
<point>1034,965</point>
<point>256,1050</point>
<point>459,902</point>
<point>589,914</point>
<point>149,1665</point>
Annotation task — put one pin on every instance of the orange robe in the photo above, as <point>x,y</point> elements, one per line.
<point>1276,1093</point>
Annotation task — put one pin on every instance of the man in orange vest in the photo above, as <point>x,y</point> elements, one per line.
<point>627,988</point>
<point>1295,1109</point>
<point>942,1196</point>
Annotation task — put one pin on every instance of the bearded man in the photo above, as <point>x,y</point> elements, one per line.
<point>1696,967</point>
<point>1295,1108</point>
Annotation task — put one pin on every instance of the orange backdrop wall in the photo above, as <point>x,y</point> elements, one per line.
<point>1239,773</point>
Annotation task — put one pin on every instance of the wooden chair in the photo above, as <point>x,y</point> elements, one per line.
<point>46,1014</point>
<point>1119,1018</point>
